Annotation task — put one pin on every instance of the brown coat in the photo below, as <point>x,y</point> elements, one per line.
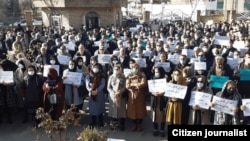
<point>136,84</point>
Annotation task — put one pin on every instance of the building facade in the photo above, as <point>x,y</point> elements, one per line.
<point>78,13</point>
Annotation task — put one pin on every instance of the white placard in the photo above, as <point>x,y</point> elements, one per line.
<point>175,90</point>
<point>70,46</point>
<point>72,78</point>
<point>192,60</point>
<point>126,72</point>
<point>188,52</point>
<point>138,26</point>
<point>175,59</point>
<point>201,99</point>
<point>111,139</point>
<point>200,66</point>
<point>132,29</point>
<point>63,59</point>
<point>246,103</point>
<point>104,58</point>
<point>116,53</point>
<point>125,44</point>
<point>46,69</point>
<point>234,62</point>
<point>221,40</point>
<point>165,65</point>
<point>238,44</point>
<point>157,85</point>
<point>141,62</point>
<point>147,53</point>
<point>97,43</point>
<point>6,77</point>
<point>223,105</point>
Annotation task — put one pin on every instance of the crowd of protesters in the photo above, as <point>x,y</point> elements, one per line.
<point>123,82</point>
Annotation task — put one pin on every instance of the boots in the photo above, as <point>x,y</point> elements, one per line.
<point>100,118</point>
<point>134,127</point>
<point>122,124</point>
<point>139,128</point>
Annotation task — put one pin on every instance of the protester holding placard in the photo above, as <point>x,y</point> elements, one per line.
<point>71,90</point>
<point>83,51</point>
<point>174,105</point>
<point>220,69</point>
<point>228,91</point>
<point>198,115</point>
<point>53,99</point>
<point>241,75</point>
<point>42,59</point>
<point>158,104</point>
<point>117,98</point>
<point>7,97</point>
<point>136,83</point>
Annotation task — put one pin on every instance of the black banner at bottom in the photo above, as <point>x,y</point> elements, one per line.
<point>208,132</point>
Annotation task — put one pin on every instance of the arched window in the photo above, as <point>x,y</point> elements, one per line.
<point>56,21</point>
<point>92,20</point>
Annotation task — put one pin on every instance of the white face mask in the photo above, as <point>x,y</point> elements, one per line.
<point>52,62</point>
<point>166,49</point>
<point>157,75</point>
<point>158,48</point>
<point>134,70</point>
<point>176,77</point>
<point>31,73</point>
<point>71,67</point>
<point>20,66</point>
<point>95,70</point>
<point>80,63</point>
<point>115,61</point>
<point>115,72</point>
<point>93,62</point>
<point>200,85</point>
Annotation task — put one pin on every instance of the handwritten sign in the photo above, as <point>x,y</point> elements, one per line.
<point>47,67</point>
<point>104,58</point>
<point>147,53</point>
<point>70,46</point>
<point>141,62</point>
<point>221,40</point>
<point>217,81</point>
<point>116,52</point>
<point>246,103</point>
<point>175,59</point>
<point>201,99</point>
<point>244,74</point>
<point>223,105</point>
<point>175,90</point>
<point>6,77</point>
<point>200,66</point>
<point>164,65</point>
<point>188,52</point>
<point>157,85</point>
<point>72,78</point>
<point>126,72</point>
<point>63,59</point>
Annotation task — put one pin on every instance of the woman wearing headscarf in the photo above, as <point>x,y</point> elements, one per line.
<point>188,75</point>
<point>95,84</point>
<point>71,90</point>
<point>19,77</point>
<point>117,102</point>
<point>174,105</point>
<point>32,92</point>
<point>136,83</point>
<point>7,97</point>
<point>53,85</point>
<point>158,104</point>
<point>81,65</point>
<point>199,116</point>
<point>229,91</point>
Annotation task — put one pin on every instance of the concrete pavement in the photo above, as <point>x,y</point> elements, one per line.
<point>19,131</point>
